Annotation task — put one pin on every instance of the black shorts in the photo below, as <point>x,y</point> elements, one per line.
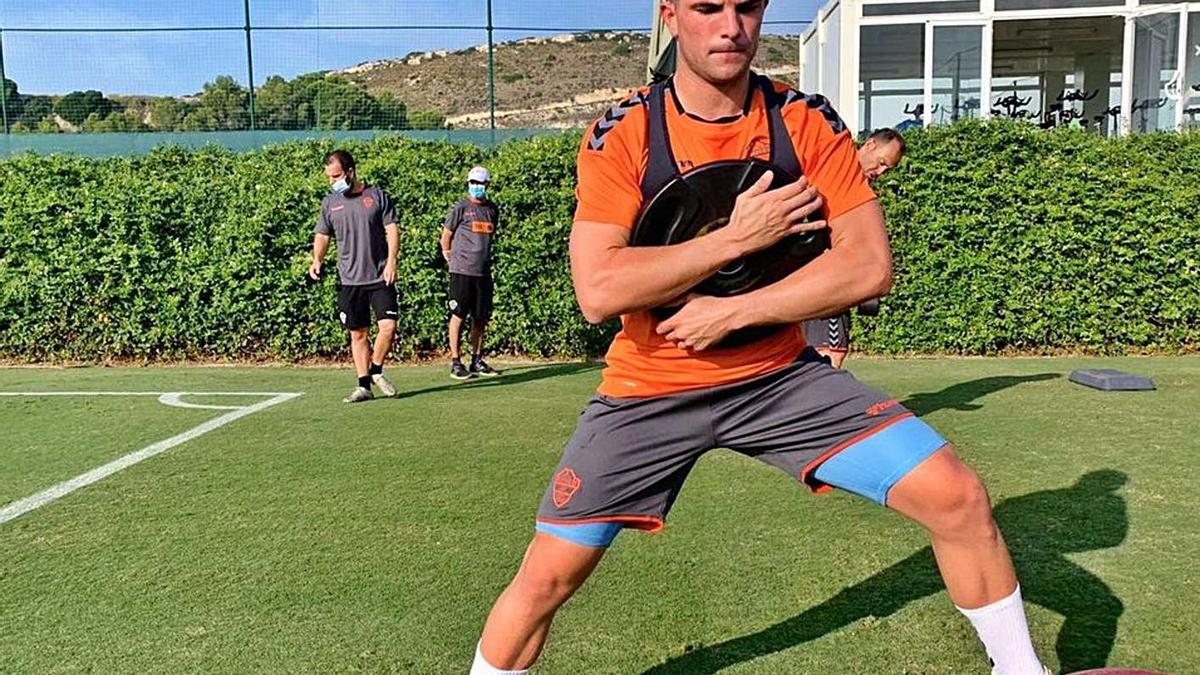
<point>832,334</point>
<point>356,302</point>
<point>471,296</point>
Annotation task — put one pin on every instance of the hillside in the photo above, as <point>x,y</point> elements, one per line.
<point>560,81</point>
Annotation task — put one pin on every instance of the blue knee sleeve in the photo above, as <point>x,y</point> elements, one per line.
<point>599,535</point>
<point>870,467</point>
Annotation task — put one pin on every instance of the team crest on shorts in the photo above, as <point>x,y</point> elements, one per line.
<point>566,484</point>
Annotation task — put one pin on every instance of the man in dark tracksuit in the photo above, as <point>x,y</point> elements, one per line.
<point>364,222</point>
<point>467,246</point>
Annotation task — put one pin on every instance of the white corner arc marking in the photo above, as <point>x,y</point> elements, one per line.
<point>36,501</point>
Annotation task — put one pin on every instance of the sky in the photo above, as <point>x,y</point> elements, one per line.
<point>180,62</point>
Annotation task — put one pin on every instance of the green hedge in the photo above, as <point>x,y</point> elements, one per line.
<point>1006,238</point>
<point>1012,239</point>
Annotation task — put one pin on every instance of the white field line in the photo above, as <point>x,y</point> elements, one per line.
<point>23,506</point>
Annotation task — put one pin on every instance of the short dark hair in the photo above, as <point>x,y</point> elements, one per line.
<point>343,157</point>
<point>887,135</point>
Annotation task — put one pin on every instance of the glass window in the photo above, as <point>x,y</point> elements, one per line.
<point>1155,71</point>
<point>812,65</point>
<point>1002,5</point>
<point>1191,93</point>
<point>956,69</point>
<point>1058,71</point>
<point>921,8</point>
<point>891,76</point>
<point>831,62</point>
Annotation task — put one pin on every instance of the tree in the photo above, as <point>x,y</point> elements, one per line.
<point>336,103</point>
<point>426,119</point>
<point>167,114</point>
<point>223,106</point>
<point>12,100</point>
<point>277,105</point>
<point>77,105</point>
<point>35,110</point>
<point>393,114</point>
<point>117,121</point>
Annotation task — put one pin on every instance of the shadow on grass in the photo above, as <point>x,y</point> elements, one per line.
<point>510,376</point>
<point>961,396</point>
<point>1040,527</point>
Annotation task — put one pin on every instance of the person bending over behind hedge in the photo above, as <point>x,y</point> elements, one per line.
<point>368,240</point>
<point>467,246</point>
<point>880,153</point>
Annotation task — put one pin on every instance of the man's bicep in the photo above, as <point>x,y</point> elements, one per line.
<point>862,227</point>
<point>592,244</point>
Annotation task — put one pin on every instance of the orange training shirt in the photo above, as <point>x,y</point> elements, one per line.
<point>611,163</point>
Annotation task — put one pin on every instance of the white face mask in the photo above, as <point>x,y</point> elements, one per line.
<point>341,185</point>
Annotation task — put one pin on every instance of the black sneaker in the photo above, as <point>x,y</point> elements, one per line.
<point>481,368</point>
<point>458,371</point>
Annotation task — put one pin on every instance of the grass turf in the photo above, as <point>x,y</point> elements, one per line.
<point>320,537</point>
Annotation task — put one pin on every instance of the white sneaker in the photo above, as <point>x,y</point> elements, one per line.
<point>385,385</point>
<point>358,395</point>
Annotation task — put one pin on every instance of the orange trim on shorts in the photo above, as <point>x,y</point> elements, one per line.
<point>647,523</point>
<point>811,466</point>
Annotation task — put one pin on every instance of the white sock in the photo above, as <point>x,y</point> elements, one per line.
<point>1005,635</point>
<point>482,667</point>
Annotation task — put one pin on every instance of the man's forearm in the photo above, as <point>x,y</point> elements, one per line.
<point>320,247</point>
<point>635,278</point>
<point>393,242</point>
<point>829,285</point>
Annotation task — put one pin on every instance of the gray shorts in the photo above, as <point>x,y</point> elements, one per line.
<point>832,334</point>
<point>629,457</point>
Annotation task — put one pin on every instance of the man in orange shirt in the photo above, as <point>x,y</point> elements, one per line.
<point>670,392</point>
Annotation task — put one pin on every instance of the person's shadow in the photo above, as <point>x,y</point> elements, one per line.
<point>510,377</point>
<point>1039,527</point>
<point>961,396</point>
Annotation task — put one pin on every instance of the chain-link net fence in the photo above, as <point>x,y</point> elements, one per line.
<point>277,67</point>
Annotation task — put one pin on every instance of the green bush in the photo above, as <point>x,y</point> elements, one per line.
<point>1008,238</point>
<point>1005,238</point>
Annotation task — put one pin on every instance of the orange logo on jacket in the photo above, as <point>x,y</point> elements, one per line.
<point>566,484</point>
<point>482,227</point>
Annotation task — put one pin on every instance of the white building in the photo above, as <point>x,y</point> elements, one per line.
<point>1112,65</point>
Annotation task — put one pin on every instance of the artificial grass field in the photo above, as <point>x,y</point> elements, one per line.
<point>318,537</point>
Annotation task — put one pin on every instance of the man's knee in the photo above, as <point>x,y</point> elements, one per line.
<point>359,335</point>
<point>546,585</point>
<point>962,507</point>
<point>387,329</point>
<point>946,496</point>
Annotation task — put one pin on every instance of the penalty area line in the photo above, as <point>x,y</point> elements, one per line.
<point>36,501</point>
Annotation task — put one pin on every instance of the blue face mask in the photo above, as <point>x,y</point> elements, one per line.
<point>477,191</point>
<point>341,185</point>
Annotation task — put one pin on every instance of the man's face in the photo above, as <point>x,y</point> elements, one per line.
<point>716,39</point>
<point>334,172</point>
<point>878,158</point>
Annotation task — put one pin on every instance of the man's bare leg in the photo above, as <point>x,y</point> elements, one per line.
<point>945,496</point>
<point>516,628</point>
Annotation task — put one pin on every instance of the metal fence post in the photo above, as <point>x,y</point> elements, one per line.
<point>491,74</point>
<point>250,63</point>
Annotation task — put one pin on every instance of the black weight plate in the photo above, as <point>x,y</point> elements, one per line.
<point>702,201</point>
